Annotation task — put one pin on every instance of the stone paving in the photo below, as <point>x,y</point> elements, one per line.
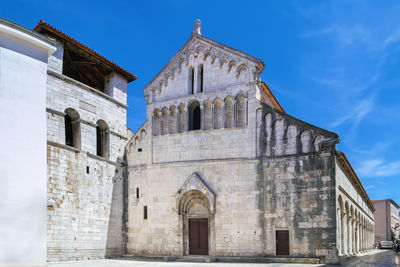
<point>381,258</point>
<point>131,263</point>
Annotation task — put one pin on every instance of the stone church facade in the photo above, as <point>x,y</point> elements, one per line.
<point>220,169</point>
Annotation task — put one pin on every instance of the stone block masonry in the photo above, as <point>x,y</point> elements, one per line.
<point>85,206</point>
<point>85,190</point>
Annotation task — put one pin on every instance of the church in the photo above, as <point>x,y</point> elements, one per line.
<point>220,169</point>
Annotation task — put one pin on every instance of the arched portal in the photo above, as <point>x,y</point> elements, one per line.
<point>196,208</point>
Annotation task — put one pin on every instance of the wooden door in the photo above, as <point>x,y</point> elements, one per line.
<point>198,236</point>
<point>282,242</point>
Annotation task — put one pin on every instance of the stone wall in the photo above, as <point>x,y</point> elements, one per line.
<point>254,198</point>
<point>85,209</point>
<point>85,191</point>
<point>257,193</point>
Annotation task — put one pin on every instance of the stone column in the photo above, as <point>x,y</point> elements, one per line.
<point>358,237</point>
<point>350,235</point>
<point>345,234</point>
<point>338,231</point>
<point>223,115</point>
<point>201,117</point>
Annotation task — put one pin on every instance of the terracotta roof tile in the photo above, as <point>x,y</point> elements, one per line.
<point>43,25</point>
<point>272,97</point>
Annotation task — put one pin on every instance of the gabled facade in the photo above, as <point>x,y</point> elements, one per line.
<point>219,169</point>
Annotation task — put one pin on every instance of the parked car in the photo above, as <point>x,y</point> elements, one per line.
<point>386,244</point>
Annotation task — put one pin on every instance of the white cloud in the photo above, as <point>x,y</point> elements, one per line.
<point>391,39</point>
<point>375,148</point>
<point>345,35</point>
<point>369,187</point>
<point>378,168</point>
<point>357,113</point>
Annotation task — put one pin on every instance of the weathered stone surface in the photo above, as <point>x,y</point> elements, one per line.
<point>85,191</point>
<point>267,170</point>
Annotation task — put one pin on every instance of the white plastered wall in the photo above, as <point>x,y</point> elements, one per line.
<point>23,66</point>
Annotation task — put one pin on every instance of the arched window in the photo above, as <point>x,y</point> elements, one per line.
<point>72,128</point>
<point>240,111</point>
<point>194,116</point>
<point>181,118</point>
<point>102,139</point>
<point>172,120</point>
<point>217,113</point>
<point>164,122</point>
<point>156,122</point>
<point>228,112</point>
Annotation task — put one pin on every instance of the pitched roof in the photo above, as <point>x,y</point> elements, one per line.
<point>43,27</point>
<point>271,97</point>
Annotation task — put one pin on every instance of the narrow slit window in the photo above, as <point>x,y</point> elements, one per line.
<point>145,212</point>
<point>87,169</point>
<point>137,192</point>
<point>191,80</point>
<point>201,78</point>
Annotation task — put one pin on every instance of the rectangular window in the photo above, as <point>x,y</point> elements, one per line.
<point>145,212</point>
<point>87,169</point>
<point>137,192</point>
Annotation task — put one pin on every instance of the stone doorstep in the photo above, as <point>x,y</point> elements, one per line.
<point>241,259</point>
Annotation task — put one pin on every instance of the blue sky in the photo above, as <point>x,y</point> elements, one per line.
<point>334,64</point>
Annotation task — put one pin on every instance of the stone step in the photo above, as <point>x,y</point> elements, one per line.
<point>194,258</point>
<point>149,257</point>
<point>199,258</point>
<point>268,260</point>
